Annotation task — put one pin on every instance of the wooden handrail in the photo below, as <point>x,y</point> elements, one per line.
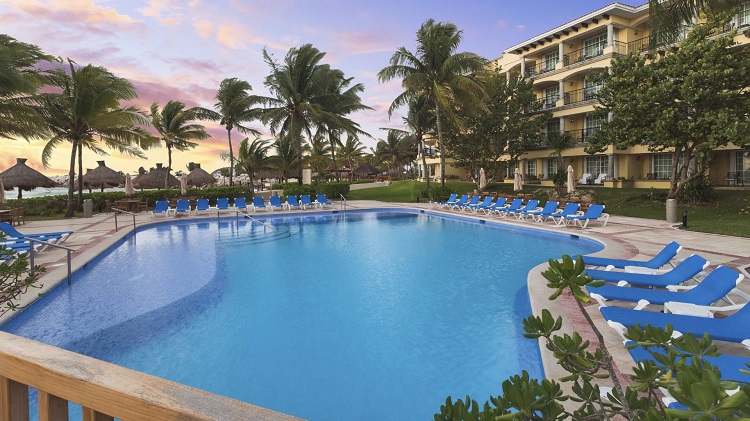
<point>104,390</point>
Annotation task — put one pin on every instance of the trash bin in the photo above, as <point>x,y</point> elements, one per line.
<point>87,208</point>
<point>672,211</point>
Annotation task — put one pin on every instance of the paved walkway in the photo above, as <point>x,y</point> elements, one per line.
<point>623,237</point>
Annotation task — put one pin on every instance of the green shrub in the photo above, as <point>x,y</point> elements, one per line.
<point>296,190</point>
<point>437,193</point>
<point>364,181</point>
<point>698,190</point>
<point>335,189</point>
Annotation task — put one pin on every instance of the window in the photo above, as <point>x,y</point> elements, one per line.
<point>662,166</point>
<point>594,46</point>
<point>531,167</point>
<point>511,170</point>
<point>593,124</point>
<point>551,167</point>
<point>743,18</point>
<point>743,164</point>
<point>553,125</point>
<point>596,164</point>
<point>549,61</point>
<point>550,96</point>
<point>590,89</point>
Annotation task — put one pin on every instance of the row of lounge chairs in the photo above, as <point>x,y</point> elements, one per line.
<point>570,214</point>
<point>688,305</point>
<point>19,242</point>
<point>240,204</point>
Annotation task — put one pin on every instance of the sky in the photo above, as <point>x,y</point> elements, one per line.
<point>182,50</point>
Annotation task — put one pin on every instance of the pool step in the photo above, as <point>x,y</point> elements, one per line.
<point>260,234</point>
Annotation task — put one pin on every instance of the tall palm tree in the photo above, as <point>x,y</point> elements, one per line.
<point>173,123</point>
<point>19,81</point>
<point>351,151</point>
<point>448,78</point>
<point>252,157</point>
<point>318,153</point>
<point>87,111</point>
<point>303,91</point>
<point>667,17</point>
<point>393,150</point>
<point>285,159</point>
<point>235,108</point>
<point>420,121</point>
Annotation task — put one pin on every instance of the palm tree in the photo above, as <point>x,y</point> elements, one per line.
<point>667,17</point>
<point>235,108</point>
<point>304,91</point>
<point>174,125</point>
<point>351,151</point>
<point>419,121</point>
<point>87,110</point>
<point>318,153</point>
<point>394,150</point>
<point>252,157</point>
<point>447,78</point>
<point>19,81</point>
<point>285,159</point>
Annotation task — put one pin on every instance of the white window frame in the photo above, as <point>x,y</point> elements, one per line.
<point>596,164</point>
<point>661,166</point>
<point>743,16</point>
<point>590,89</point>
<point>551,167</point>
<point>594,46</point>
<point>549,61</point>
<point>531,167</point>
<point>550,96</point>
<point>593,124</point>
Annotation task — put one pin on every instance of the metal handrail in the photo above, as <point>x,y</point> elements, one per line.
<point>122,211</point>
<point>342,205</point>
<point>265,224</point>
<point>31,252</point>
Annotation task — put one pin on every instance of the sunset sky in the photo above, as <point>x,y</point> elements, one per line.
<point>182,49</point>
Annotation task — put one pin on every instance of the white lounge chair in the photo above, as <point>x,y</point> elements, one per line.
<point>585,179</point>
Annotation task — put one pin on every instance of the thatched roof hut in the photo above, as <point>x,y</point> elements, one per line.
<point>365,169</point>
<point>24,177</point>
<point>199,177</point>
<point>155,178</point>
<point>102,176</point>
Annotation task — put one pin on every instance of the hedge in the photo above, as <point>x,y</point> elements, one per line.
<point>333,189</point>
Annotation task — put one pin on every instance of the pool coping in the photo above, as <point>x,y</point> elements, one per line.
<point>623,237</point>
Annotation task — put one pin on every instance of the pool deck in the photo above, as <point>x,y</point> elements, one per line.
<point>623,237</point>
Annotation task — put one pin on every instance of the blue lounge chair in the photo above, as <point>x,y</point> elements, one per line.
<point>472,202</point>
<point>733,328</point>
<point>161,208</point>
<point>501,202</point>
<point>460,204</point>
<point>222,203</point>
<point>514,205</point>
<point>448,203</point>
<point>690,267</point>
<point>484,203</point>
<point>201,205</point>
<point>531,205</point>
<point>451,199</point>
<point>240,203</point>
<point>258,203</point>
<point>720,282</point>
<point>275,203</point>
<point>306,201</point>
<point>661,259</point>
<point>183,205</point>
<point>292,202</point>
<point>321,200</point>
<point>548,208</point>
<point>45,236</point>
<point>559,217</point>
<point>594,213</point>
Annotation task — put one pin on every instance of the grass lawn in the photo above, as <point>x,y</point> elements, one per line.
<point>728,213</point>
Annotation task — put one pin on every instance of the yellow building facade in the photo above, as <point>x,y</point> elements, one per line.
<point>559,61</point>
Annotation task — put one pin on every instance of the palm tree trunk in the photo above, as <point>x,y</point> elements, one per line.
<point>169,165</point>
<point>440,142</point>
<point>231,155</point>
<point>71,181</point>
<point>333,156</point>
<point>80,175</point>
<point>424,162</point>
<point>252,182</point>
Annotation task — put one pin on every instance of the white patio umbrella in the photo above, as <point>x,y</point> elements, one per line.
<point>2,192</point>
<point>517,181</point>
<point>183,185</point>
<point>571,179</point>
<point>482,179</point>
<point>129,190</point>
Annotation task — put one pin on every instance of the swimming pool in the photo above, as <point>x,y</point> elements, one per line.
<point>326,316</point>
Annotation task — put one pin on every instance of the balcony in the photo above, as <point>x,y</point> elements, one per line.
<point>589,53</point>
<point>581,135</point>
<point>540,68</point>
<point>580,95</point>
<point>544,103</point>
<point>639,46</point>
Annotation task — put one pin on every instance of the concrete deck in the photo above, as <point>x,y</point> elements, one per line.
<point>623,237</point>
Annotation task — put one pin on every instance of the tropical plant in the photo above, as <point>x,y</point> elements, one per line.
<point>252,157</point>
<point>87,111</point>
<point>559,142</point>
<point>318,151</point>
<point>304,98</point>
<point>447,78</point>
<point>419,121</point>
<point>396,150</point>
<point>234,108</point>
<point>19,81</point>
<point>666,18</point>
<point>15,277</point>
<point>351,151</point>
<point>689,102</point>
<point>285,159</point>
<point>173,123</point>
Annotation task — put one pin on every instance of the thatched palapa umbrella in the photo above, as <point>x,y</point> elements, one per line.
<point>24,177</point>
<point>102,176</point>
<point>199,177</point>
<point>365,169</point>
<point>154,179</point>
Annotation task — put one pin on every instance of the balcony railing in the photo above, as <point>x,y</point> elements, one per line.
<point>588,53</point>
<point>640,45</point>
<point>539,68</point>
<point>581,135</point>
<point>542,104</point>
<point>580,95</point>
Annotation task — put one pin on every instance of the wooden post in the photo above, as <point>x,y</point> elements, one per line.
<point>91,415</point>
<point>52,408</point>
<point>14,400</point>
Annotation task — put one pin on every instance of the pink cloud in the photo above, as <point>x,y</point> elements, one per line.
<point>520,27</point>
<point>84,14</point>
<point>501,24</point>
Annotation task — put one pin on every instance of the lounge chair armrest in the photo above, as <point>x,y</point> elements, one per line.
<point>599,299</point>
<point>677,288</point>
<point>697,310</point>
<point>644,270</point>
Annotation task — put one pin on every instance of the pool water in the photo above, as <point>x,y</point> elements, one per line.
<point>366,316</point>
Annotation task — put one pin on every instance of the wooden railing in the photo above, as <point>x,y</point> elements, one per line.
<point>105,391</point>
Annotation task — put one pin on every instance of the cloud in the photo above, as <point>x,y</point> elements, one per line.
<point>501,24</point>
<point>520,27</point>
<point>203,28</point>
<point>83,13</point>
<point>236,35</point>
<point>166,12</point>
<point>371,41</point>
